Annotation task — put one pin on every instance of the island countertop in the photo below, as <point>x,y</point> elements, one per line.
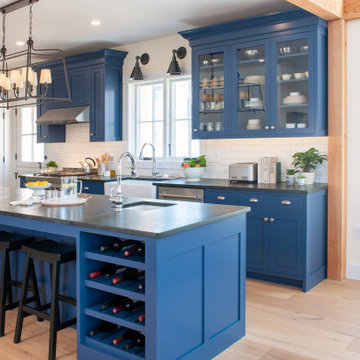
<point>98,213</point>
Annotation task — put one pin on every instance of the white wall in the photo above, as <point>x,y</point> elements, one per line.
<point>353,149</point>
<point>220,153</point>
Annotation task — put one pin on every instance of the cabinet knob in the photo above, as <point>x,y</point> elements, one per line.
<point>267,127</point>
<point>91,134</point>
<point>272,219</point>
<point>220,197</point>
<point>285,202</point>
<point>86,188</point>
<point>266,219</point>
<point>45,136</point>
<point>272,127</point>
<point>253,200</point>
<point>195,130</point>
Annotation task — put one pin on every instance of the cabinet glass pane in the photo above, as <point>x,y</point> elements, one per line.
<point>292,84</point>
<point>251,88</point>
<point>211,87</point>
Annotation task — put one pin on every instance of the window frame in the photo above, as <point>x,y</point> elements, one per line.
<point>168,128</point>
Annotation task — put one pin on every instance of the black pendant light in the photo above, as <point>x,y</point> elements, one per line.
<point>174,67</point>
<point>137,74</point>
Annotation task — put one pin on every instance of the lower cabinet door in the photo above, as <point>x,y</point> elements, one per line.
<point>257,241</point>
<point>287,236</point>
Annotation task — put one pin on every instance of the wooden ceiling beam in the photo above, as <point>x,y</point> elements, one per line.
<point>351,9</point>
<point>326,9</point>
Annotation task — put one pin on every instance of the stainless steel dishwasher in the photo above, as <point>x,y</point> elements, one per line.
<point>181,194</point>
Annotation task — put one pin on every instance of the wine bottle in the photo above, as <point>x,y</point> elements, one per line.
<point>115,301</point>
<point>137,340</point>
<point>130,305</point>
<point>141,318</point>
<point>116,245</point>
<point>138,249</point>
<point>127,335</point>
<point>108,270</point>
<point>129,274</point>
<point>104,327</point>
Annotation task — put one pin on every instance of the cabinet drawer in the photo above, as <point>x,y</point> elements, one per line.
<point>219,196</point>
<point>279,202</point>
<point>93,187</point>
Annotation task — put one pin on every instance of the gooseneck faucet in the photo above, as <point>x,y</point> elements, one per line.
<point>117,199</point>
<point>141,157</point>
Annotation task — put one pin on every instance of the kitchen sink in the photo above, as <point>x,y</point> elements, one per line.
<point>145,205</point>
<point>151,178</point>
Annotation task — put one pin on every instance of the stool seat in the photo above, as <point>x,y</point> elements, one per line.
<point>49,250</point>
<point>14,241</point>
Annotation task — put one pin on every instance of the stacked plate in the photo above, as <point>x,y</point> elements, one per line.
<point>254,79</point>
<point>254,124</point>
<point>295,98</point>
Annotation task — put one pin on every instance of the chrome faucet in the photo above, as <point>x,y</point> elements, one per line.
<point>118,199</point>
<point>141,157</point>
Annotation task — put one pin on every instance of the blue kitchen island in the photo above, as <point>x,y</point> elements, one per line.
<point>194,263</point>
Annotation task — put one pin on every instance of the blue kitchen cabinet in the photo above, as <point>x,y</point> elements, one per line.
<point>274,81</point>
<point>95,79</point>
<point>93,187</point>
<point>286,234</point>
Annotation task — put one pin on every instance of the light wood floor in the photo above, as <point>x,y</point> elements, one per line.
<point>283,323</point>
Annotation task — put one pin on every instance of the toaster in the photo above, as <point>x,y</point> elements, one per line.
<point>243,172</point>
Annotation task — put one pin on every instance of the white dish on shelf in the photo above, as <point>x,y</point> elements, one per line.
<point>299,76</point>
<point>290,126</point>
<point>295,99</point>
<point>254,122</point>
<point>301,126</point>
<point>286,76</point>
<point>253,127</point>
<point>254,79</point>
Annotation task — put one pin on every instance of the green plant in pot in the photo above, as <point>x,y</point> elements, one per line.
<point>51,165</point>
<point>194,168</point>
<point>308,161</point>
<point>290,176</point>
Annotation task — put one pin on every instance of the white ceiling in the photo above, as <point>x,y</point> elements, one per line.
<point>65,24</point>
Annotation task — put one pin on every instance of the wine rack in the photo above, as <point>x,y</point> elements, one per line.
<point>101,289</point>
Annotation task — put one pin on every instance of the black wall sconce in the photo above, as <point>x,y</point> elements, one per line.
<point>174,68</point>
<point>137,74</point>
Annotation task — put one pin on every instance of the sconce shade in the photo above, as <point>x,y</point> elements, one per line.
<point>174,67</point>
<point>5,82</point>
<point>137,74</point>
<point>45,76</point>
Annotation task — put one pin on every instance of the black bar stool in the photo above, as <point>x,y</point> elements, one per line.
<point>10,242</point>
<point>54,253</point>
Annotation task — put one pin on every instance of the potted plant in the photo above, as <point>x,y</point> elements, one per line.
<point>301,180</point>
<point>51,165</point>
<point>290,176</point>
<point>308,161</point>
<point>194,168</point>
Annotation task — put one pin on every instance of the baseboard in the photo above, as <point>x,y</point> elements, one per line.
<point>353,271</point>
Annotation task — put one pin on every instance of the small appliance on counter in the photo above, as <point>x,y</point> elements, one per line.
<point>243,172</point>
<point>269,170</point>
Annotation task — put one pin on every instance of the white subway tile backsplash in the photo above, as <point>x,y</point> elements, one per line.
<point>220,152</point>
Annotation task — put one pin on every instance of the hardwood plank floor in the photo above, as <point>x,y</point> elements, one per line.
<point>283,323</point>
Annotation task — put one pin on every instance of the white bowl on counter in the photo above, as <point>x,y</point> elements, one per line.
<point>194,174</point>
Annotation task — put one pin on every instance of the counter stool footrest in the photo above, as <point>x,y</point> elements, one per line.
<point>67,299</point>
<point>15,283</point>
<point>31,311</point>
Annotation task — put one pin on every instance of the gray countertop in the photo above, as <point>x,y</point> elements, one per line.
<point>225,184</point>
<point>97,213</point>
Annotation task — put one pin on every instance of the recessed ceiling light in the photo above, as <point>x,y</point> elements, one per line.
<point>20,43</point>
<point>95,22</point>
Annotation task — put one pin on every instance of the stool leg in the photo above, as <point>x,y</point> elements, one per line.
<point>54,319</point>
<point>34,288</point>
<point>23,296</point>
<point>3,290</point>
<point>9,288</point>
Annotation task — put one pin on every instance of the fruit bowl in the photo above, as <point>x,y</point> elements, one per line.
<point>39,190</point>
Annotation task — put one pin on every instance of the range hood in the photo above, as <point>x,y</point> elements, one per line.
<point>65,115</point>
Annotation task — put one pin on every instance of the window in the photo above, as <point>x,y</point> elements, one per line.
<point>162,116</point>
<point>30,150</point>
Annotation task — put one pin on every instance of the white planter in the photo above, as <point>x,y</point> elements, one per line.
<point>194,174</point>
<point>301,181</point>
<point>290,179</point>
<point>52,168</point>
<point>309,177</point>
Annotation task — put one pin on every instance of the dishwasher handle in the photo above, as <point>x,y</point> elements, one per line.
<point>176,196</point>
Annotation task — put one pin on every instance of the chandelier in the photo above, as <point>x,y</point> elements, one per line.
<point>24,78</point>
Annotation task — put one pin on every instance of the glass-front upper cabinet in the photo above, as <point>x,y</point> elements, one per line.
<point>210,94</point>
<point>250,100</point>
<point>293,91</point>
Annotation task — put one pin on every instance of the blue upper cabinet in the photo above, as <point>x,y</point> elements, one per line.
<point>260,77</point>
<point>95,79</point>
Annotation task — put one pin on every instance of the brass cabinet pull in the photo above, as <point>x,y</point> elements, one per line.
<point>285,202</point>
<point>272,127</point>
<point>45,136</point>
<point>272,219</point>
<point>253,200</point>
<point>195,130</point>
<point>86,188</point>
<point>220,197</point>
<point>267,127</point>
<point>266,219</point>
<point>91,134</point>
